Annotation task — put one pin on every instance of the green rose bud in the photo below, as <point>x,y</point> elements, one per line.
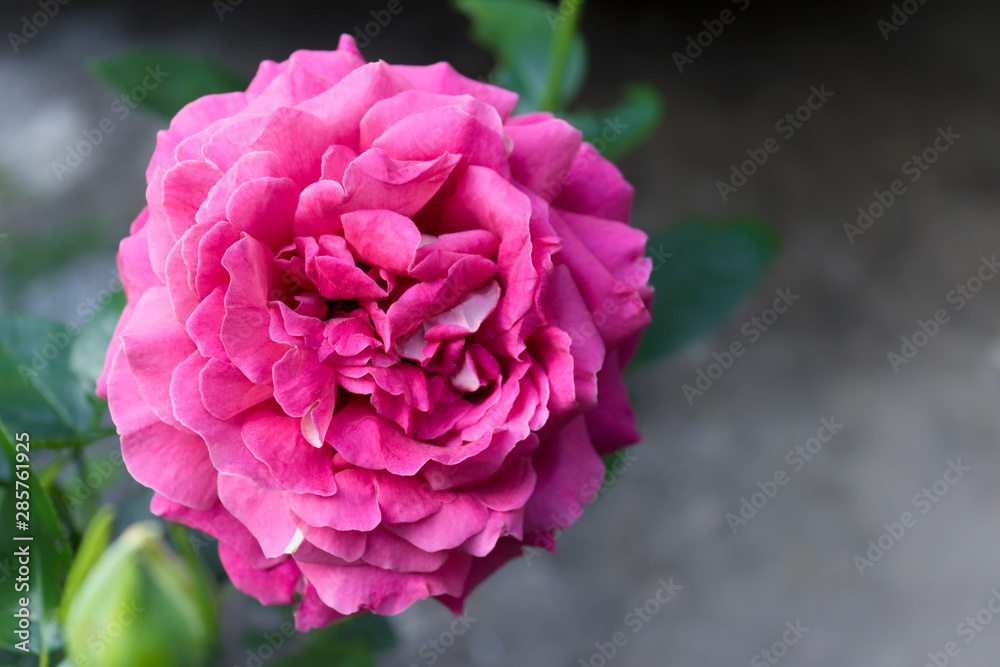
<point>141,604</point>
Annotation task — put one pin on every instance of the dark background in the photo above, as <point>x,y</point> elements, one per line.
<point>827,357</point>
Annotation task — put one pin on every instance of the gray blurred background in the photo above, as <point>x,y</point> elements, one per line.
<point>826,358</point>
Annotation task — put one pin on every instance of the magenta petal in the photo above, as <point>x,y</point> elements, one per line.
<point>352,507</point>
<point>352,588</point>
<point>388,551</point>
<point>345,104</point>
<point>621,306</point>
<point>157,455</point>
<point>155,344</point>
<point>226,449</point>
<point>510,489</point>
<point>505,551</point>
<point>414,138</point>
<point>319,209</point>
<point>442,78</point>
<point>620,248</point>
<point>276,440</point>
<point>382,238</point>
<point>543,154</point>
<point>483,198</point>
<point>387,113</point>
<point>226,392</point>
<point>498,525</point>
<point>247,320</point>
<point>134,263</point>
<point>299,140</point>
<point>211,249</point>
<point>183,300</point>
<point>264,513</point>
<point>312,613</point>
<point>376,181</point>
<point>247,167</point>
<point>407,499</point>
<point>612,423</point>
<point>205,323</point>
<point>569,475</point>
<point>191,120</point>
<point>306,388</point>
<point>447,528</point>
<point>174,197</point>
<point>595,187</point>
<point>347,545</point>
<point>220,524</point>
<point>274,585</point>
<point>335,161</point>
<point>265,209</point>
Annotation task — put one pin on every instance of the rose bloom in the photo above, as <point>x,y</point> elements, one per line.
<point>375,330</point>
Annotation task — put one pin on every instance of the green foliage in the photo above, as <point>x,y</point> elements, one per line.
<point>166,80</point>
<point>521,36</point>
<point>702,272</point>
<point>86,356</point>
<point>540,57</point>
<point>141,604</point>
<point>39,392</point>
<point>351,642</point>
<point>49,552</point>
<point>625,126</point>
<point>95,540</point>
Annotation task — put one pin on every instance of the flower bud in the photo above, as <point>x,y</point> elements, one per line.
<point>141,604</point>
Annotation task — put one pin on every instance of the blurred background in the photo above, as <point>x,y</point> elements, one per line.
<point>793,575</point>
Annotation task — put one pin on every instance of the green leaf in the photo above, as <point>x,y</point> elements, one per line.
<point>167,80</point>
<point>39,394</point>
<point>347,643</point>
<point>95,539</point>
<point>372,630</point>
<point>520,35</point>
<point>625,126</point>
<point>326,654</point>
<point>49,554</point>
<point>702,273</point>
<point>86,356</point>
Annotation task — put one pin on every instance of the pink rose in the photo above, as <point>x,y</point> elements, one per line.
<point>375,330</point>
